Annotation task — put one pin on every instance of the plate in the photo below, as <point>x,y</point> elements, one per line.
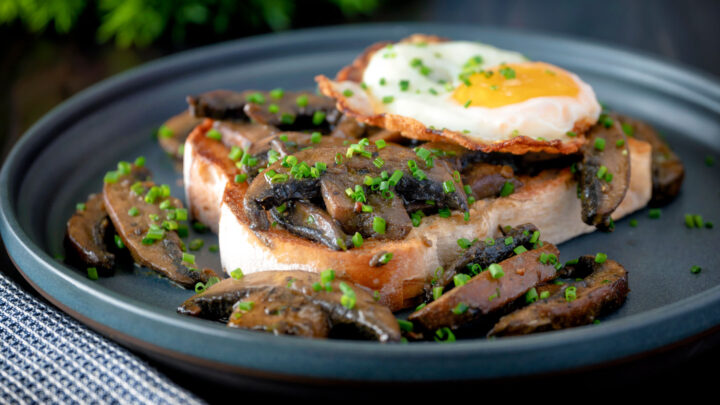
<point>63,157</point>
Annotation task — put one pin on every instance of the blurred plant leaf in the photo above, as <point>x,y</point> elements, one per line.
<point>141,22</point>
<point>38,14</point>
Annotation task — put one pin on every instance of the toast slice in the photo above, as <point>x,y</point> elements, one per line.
<point>548,200</point>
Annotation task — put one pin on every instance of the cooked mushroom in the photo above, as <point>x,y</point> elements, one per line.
<point>489,292</point>
<point>483,254</point>
<point>134,218</point>
<point>342,303</point>
<point>667,168</point>
<point>604,174</point>
<point>174,131</point>
<point>600,292</point>
<point>86,233</point>
<point>419,183</point>
<point>283,109</point>
<point>487,180</point>
<point>305,219</point>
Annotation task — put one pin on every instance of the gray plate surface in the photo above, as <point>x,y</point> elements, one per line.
<point>64,156</point>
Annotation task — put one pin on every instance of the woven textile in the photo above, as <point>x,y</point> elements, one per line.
<point>46,357</point>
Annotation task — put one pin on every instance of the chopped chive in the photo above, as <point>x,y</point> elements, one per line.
<point>273,108</point>
<point>628,129</point>
<point>382,81</point>
<point>444,212</point>
<point>571,134</point>
<point>348,93</point>
<point>448,187</point>
<point>165,132</point>
<point>544,295</point>
<point>496,270</point>
<point>318,117</point>
<point>348,298</point>
<point>570,294</point>
<point>507,189</point>
<point>520,250</point>
<point>460,308</point>
<point>124,167</point>
<point>600,258</point>
<point>357,239</point>
<point>460,279</point>
<point>239,178</point>
<point>531,296</point>
<point>255,98</point>
<point>600,144</point>
<point>119,242</point>
<point>196,244</point>
<point>464,243</point>
<point>235,153</point>
<point>695,269</point>
<point>277,93</point>
<point>689,221</point>
<point>655,213</point>
<point>404,85</point>
<point>467,103</point>
<point>633,223</point>
<point>181,214</point>
<point>405,326</point>
<point>302,100</point>
<point>188,258</point>
<point>245,305</point>
<point>388,99</point>
<point>214,248</point>
<point>92,273</point>
<point>601,172</point>
<point>315,137</point>
<point>386,257</point>
<point>111,177</point>
<point>444,335</point>
<point>133,211</point>
<point>80,207</point>
<point>379,225</point>
<point>437,292</point>
<point>214,134</point>
<point>620,143</point>
<point>535,237</point>
<point>509,241</point>
<point>698,220</point>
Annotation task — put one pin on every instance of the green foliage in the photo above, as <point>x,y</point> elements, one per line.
<point>141,22</point>
<point>38,14</point>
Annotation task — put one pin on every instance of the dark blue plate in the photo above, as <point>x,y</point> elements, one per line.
<point>64,156</point>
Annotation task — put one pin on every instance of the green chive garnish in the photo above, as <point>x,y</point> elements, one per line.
<point>357,239</point>
<point>348,93</point>
<point>379,225</point>
<point>695,269</point>
<point>655,213</point>
<point>318,117</point>
<point>119,242</point>
<point>600,144</point>
<point>507,189</point>
<point>460,308</point>
<point>214,134</point>
<point>600,258</point>
<point>302,101</point>
<point>570,293</point>
<point>92,273</point>
<point>531,296</point>
<point>496,270</point>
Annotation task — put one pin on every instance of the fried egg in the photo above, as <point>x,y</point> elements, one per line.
<point>477,93</point>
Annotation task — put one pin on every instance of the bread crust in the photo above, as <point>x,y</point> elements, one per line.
<point>549,200</point>
<point>361,109</point>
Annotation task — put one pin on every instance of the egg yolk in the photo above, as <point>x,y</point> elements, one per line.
<point>514,83</point>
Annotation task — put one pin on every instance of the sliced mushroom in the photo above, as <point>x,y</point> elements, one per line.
<point>271,288</point>
<point>667,168</point>
<point>285,110</point>
<point>86,234</point>
<point>487,180</point>
<point>484,254</point>
<point>265,193</point>
<point>485,295</point>
<point>604,175</point>
<point>305,219</point>
<point>600,292</point>
<point>280,311</point>
<point>174,132</point>
<point>165,255</point>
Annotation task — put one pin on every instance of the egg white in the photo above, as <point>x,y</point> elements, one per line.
<point>546,118</point>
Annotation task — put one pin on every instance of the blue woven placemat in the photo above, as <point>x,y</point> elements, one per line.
<point>47,357</point>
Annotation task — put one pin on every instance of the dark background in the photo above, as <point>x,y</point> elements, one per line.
<point>38,70</point>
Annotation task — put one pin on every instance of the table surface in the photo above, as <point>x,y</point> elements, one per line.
<point>686,32</point>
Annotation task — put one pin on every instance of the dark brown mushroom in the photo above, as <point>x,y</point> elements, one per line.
<point>308,221</point>
<point>165,255</point>
<point>487,180</point>
<point>483,254</point>
<point>667,168</point>
<point>266,192</point>
<point>271,290</point>
<point>174,131</point>
<point>600,292</point>
<point>484,295</point>
<point>604,174</point>
<point>87,230</point>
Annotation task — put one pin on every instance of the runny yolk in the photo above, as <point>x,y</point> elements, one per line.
<point>514,83</point>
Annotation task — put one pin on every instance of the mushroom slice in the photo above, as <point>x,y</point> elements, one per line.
<point>487,180</point>
<point>604,174</point>
<point>602,291</point>
<point>305,219</point>
<point>282,312</point>
<point>485,295</point>
<point>174,131</point>
<point>346,305</point>
<point>133,217</point>
<point>85,237</point>
<point>484,254</point>
<point>282,181</point>
<point>667,168</point>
